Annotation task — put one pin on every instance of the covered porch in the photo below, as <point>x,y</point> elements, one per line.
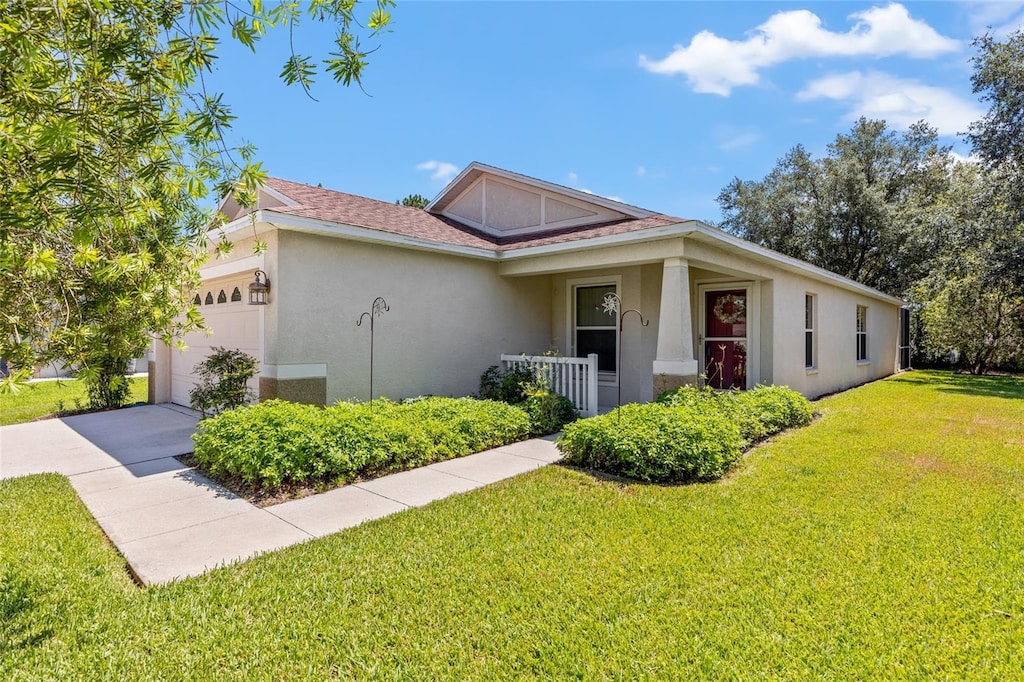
<point>680,319</point>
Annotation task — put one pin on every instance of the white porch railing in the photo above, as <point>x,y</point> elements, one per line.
<point>575,378</point>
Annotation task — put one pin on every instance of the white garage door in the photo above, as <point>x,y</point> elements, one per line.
<point>234,325</point>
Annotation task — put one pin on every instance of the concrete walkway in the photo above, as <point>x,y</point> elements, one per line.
<point>170,522</point>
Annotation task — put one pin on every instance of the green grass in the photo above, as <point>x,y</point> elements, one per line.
<point>42,399</point>
<point>884,541</point>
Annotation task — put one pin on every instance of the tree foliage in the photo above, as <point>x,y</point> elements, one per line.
<point>998,140</point>
<point>972,301</point>
<point>864,211</point>
<point>108,144</point>
<point>415,200</point>
<point>965,311</point>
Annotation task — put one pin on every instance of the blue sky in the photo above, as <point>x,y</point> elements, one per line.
<point>655,104</point>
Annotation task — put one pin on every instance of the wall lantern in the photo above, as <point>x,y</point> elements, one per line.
<point>259,289</point>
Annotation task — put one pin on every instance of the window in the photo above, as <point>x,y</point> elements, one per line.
<point>222,297</point>
<point>197,300</point>
<point>236,295</point>
<point>809,359</point>
<point>595,330</point>
<point>209,298</point>
<point>862,333</point>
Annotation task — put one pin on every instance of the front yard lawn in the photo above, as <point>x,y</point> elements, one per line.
<point>885,540</point>
<point>42,399</point>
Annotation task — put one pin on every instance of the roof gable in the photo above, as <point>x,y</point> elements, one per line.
<point>266,197</point>
<point>506,204</point>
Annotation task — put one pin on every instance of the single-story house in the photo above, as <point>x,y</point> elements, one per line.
<point>504,264</point>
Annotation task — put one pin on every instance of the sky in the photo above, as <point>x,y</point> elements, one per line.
<point>657,104</point>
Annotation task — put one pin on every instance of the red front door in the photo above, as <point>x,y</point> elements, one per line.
<point>725,338</point>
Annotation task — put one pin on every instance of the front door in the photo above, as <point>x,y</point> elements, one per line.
<point>726,337</point>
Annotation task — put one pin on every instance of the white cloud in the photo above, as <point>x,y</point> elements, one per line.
<point>739,141</point>
<point>716,65</point>
<point>573,178</point>
<point>1003,18</point>
<point>440,170</point>
<point>730,138</point>
<point>899,101</point>
<point>641,171</point>
<point>587,191</point>
<point>960,158</point>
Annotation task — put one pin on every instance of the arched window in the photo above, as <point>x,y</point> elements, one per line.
<point>197,300</point>
<point>209,298</point>
<point>236,295</point>
<point>222,297</point>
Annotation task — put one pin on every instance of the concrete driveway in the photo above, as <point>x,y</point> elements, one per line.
<point>169,522</point>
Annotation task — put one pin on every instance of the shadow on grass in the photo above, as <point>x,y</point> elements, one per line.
<point>967,384</point>
<point>18,605</point>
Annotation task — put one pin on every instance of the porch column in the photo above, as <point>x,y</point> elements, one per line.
<point>675,364</point>
<point>159,357</point>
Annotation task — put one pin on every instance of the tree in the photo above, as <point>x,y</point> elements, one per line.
<point>865,211</point>
<point>108,143</point>
<point>964,310</point>
<point>415,200</point>
<point>998,140</point>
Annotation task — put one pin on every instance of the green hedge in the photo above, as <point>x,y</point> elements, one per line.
<point>689,434</point>
<point>759,412</point>
<point>278,442</point>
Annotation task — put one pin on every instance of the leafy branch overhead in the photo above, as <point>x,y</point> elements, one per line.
<point>110,143</point>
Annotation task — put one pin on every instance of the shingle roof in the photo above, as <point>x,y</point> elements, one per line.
<point>319,203</point>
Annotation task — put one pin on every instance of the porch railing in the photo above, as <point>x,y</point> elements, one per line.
<point>575,378</point>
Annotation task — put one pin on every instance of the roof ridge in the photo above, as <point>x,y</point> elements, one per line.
<point>336,191</point>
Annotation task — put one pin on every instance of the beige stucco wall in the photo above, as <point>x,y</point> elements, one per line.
<point>451,317</point>
<point>836,353</point>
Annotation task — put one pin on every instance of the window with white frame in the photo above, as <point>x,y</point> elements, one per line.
<point>594,330</point>
<point>862,333</point>
<point>810,359</point>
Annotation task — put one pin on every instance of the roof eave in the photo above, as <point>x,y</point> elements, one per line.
<point>370,235</point>
<point>708,233</point>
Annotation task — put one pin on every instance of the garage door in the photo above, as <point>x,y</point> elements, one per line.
<point>234,325</point>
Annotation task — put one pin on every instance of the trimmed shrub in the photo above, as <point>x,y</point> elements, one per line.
<point>655,442</point>
<point>548,411</point>
<point>688,434</point>
<point>759,412</point>
<point>277,442</point>
<point>523,387</point>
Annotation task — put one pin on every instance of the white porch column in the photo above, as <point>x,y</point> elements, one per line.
<point>675,363</point>
<point>159,357</point>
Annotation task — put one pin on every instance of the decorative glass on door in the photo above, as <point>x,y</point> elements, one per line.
<point>725,338</point>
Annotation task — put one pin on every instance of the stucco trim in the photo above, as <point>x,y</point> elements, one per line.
<point>294,371</point>
<point>676,367</point>
<point>233,268</point>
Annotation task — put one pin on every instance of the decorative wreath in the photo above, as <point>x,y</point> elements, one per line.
<point>730,309</point>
